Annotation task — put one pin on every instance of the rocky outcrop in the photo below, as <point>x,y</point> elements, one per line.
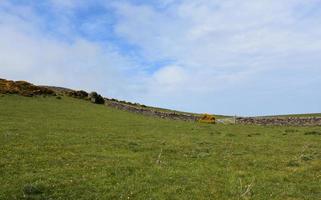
<point>280,121</point>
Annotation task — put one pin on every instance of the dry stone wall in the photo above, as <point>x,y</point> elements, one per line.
<point>150,112</point>
<point>280,121</point>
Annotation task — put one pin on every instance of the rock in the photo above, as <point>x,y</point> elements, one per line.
<point>96,98</point>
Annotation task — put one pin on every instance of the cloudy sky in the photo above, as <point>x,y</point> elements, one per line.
<point>243,57</point>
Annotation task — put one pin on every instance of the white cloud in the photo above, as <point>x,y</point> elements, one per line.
<point>170,78</point>
<point>67,4</point>
<point>209,51</point>
<point>221,45</point>
<point>29,54</point>
<point>212,33</point>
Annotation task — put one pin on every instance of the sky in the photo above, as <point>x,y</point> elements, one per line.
<point>236,57</point>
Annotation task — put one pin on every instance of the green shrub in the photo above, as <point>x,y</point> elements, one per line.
<point>78,94</point>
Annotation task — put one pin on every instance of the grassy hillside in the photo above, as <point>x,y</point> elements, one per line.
<point>72,149</point>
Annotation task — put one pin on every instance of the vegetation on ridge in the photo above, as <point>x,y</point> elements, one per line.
<point>23,88</point>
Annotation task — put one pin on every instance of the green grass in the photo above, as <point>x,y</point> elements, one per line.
<point>72,149</point>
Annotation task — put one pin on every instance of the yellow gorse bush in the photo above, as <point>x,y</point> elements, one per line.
<point>207,118</point>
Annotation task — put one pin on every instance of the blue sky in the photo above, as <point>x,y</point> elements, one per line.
<point>238,57</point>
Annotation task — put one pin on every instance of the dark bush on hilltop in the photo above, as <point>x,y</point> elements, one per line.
<point>78,94</point>
<point>96,98</point>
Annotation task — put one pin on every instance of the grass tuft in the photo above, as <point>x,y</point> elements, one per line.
<point>312,133</point>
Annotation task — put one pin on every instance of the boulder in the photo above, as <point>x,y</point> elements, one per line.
<point>96,98</point>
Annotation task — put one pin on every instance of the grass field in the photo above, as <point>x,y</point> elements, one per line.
<point>73,149</point>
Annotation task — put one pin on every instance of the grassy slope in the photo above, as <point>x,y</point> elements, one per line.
<point>72,149</point>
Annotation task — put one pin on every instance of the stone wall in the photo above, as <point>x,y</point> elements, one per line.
<point>280,121</point>
<point>151,112</point>
<point>127,106</point>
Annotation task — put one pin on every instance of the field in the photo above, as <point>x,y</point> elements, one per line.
<point>72,149</point>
